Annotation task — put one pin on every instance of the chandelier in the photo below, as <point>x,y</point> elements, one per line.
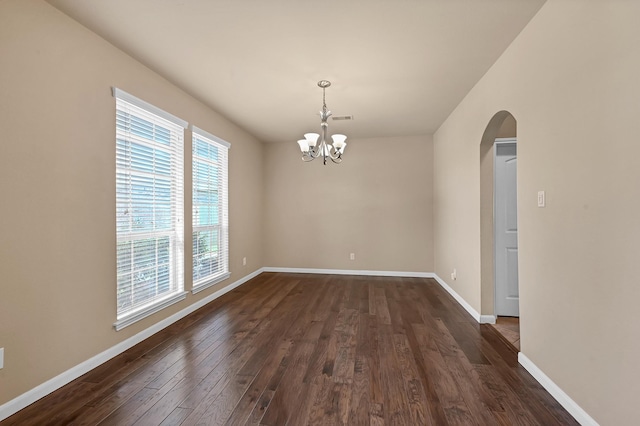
<point>311,148</point>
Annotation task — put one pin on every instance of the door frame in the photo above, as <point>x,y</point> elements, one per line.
<point>501,141</point>
<point>485,160</point>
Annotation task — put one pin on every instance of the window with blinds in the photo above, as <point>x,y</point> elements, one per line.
<point>149,208</point>
<point>210,210</point>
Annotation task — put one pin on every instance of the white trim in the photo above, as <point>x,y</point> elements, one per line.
<point>350,272</point>
<point>199,131</point>
<point>11,407</point>
<point>487,319</point>
<point>206,285</point>
<point>121,94</point>
<point>458,298</point>
<point>150,310</point>
<point>506,140</point>
<point>563,399</point>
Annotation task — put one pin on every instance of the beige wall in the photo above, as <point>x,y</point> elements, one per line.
<point>508,128</point>
<point>377,204</point>
<point>571,81</point>
<point>57,164</point>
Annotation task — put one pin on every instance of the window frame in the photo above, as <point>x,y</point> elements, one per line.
<point>222,206</point>
<point>126,174</point>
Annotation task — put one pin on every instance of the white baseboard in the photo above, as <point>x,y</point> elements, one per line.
<point>460,300</point>
<point>487,319</point>
<point>350,272</point>
<point>11,407</point>
<point>563,399</point>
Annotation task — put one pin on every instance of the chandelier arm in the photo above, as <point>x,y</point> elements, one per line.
<point>318,150</point>
<point>335,155</point>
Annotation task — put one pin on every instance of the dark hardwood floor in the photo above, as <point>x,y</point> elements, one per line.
<point>311,349</point>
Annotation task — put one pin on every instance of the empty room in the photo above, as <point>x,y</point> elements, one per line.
<point>292,212</point>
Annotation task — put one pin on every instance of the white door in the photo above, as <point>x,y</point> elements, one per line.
<point>506,229</point>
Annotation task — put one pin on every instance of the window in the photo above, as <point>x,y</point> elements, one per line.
<point>210,210</point>
<point>149,209</point>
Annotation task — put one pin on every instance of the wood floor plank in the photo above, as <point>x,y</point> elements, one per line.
<point>376,390</point>
<point>346,329</point>
<point>412,384</point>
<point>302,349</point>
<point>291,389</point>
<point>433,406</point>
<point>443,392</point>
<point>323,357</point>
<point>511,408</point>
<point>176,417</point>
<point>382,309</point>
<point>320,410</point>
<point>128,413</point>
<point>249,399</point>
<point>396,401</point>
<point>472,391</point>
<point>360,398</point>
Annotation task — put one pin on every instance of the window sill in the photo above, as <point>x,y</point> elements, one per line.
<point>150,310</point>
<point>205,285</point>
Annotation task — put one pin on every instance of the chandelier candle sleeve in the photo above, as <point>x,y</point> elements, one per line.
<point>304,145</point>
<point>311,138</point>
<point>339,142</point>
<point>312,148</point>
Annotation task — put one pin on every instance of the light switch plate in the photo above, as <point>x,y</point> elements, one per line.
<point>541,199</point>
<point>1,358</point>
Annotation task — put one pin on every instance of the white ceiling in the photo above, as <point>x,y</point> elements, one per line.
<point>398,66</point>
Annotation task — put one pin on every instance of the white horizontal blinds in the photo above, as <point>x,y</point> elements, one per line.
<point>149,206</point>
<point>210,208</point>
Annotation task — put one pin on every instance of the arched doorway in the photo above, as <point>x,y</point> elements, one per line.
<point>498,226</point>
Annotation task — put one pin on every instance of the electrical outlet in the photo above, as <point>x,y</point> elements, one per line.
<point>244,261</point>
<point>542,199</point>
<point>454,274</point>
<point>352,256</point>
<point>1,358</point>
